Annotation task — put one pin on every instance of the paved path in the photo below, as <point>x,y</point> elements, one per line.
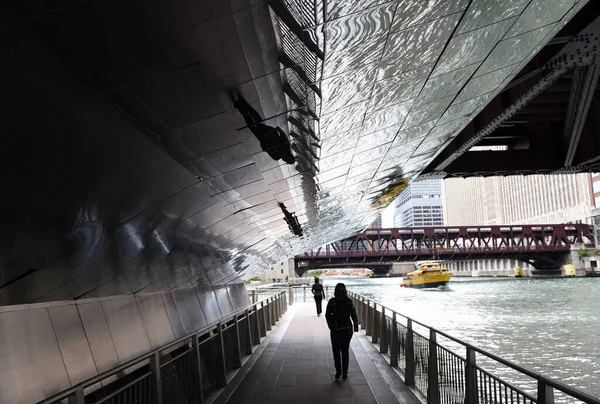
<point>297,367</point>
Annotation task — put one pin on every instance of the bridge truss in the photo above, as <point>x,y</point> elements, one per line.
<point>543,246</point>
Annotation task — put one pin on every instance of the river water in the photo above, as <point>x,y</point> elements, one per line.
<point>551,326</point>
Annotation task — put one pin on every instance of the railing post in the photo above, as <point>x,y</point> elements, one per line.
<point>263,319</point>
<point>248,335</point>
<point>273,305</point>
<point>383,333</point>
<point>375,325</point>
<point>409,372</point>
<point>433,385</point>
<point>238,351</point>
<point>78,397</point>
<point>545,393</point>
<point>254,296</point>
<point>199,366</point>
<point>156,379</point>
<point>257,324</point>
<point>394,342</point>
<point>267,310</point>
<point>365,312</point>
<point>472,396</point>
<point>280,299</point>
<point>222,365</point>
<point>359,307</point>
<point>368,319</point>
<point>304,291</point>
<point>291,296</point>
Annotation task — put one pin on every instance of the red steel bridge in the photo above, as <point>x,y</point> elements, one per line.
<point>543,246</point>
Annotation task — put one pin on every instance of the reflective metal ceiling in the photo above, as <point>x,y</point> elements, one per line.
<point>126,167</point>
<point>400,79</point>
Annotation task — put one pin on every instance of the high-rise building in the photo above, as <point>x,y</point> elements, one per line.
<point>420,204</point>
<point>596,190</point>
<point>376,223</point>
<point>519,200</point>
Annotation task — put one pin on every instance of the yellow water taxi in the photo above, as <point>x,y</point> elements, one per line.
<point>427,276</point>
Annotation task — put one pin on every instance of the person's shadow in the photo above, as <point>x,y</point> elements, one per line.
<point>273,141</point>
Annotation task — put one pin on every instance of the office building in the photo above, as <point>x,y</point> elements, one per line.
<point>420,204</point>
<point>377,223</point>
<point>520,200</point>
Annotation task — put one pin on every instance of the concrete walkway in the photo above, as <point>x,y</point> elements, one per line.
<point>297,367</point>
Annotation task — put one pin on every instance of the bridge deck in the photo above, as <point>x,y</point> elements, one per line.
<point>297,367</point>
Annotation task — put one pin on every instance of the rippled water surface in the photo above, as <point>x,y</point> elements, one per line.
<point>548,325</point>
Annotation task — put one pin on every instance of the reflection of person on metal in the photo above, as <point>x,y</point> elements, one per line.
<point>291,220</point>
<point>272,140</point>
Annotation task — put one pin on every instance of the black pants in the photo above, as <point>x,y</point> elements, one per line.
<point>318,301</point>
<point>340,343</point>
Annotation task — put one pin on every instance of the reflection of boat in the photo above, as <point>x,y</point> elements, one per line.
<point>427,276</point>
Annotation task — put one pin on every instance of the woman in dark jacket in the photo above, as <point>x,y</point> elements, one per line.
<point>341,319</point>
<point>319,294</point>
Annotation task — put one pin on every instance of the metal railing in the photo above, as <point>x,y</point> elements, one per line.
<point>293,293</point>
<point>446,370</point>
<point>187,370</point>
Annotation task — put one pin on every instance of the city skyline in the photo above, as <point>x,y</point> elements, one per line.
<point>532,199</point>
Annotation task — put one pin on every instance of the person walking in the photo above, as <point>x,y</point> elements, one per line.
<point>341,320</point>
<point>319,294</point>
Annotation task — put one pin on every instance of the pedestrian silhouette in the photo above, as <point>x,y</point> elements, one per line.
<point>319,295</point>
<point>272,140</point>
<point>341,320</point>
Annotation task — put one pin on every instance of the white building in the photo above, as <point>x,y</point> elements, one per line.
<point>277,273</point>
<point>518,200</point>
<point>420,204</point>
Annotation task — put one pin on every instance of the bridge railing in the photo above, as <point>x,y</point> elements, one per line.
<point>447,370</point>
<point>187,370</point>
<point>459,240</point>
<point>331,253</point>
<point>443,369</point>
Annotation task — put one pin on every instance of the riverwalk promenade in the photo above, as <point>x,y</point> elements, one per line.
<point>296,366</point>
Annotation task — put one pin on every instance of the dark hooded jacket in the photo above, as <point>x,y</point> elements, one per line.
<point>317,289</point>
<point>340,313</point>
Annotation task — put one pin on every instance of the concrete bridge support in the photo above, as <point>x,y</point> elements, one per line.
<point>490,267</point>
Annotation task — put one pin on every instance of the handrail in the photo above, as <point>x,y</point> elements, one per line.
<point>93,380</point>
<point>578,394</point>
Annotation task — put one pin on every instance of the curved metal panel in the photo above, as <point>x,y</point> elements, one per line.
<point>73,343</point>
<point>195,149</point>
<point>180,303</point>
<point>173,313</point>
<point>209,303</point>
<point>98,334</point>
<point>156,320</point>
<point>224,300</point>
<point>29,345</point>
<point>126,327</point>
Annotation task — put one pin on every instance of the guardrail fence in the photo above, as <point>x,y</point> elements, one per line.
<point>187,370</point>
<point>446,370</point>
